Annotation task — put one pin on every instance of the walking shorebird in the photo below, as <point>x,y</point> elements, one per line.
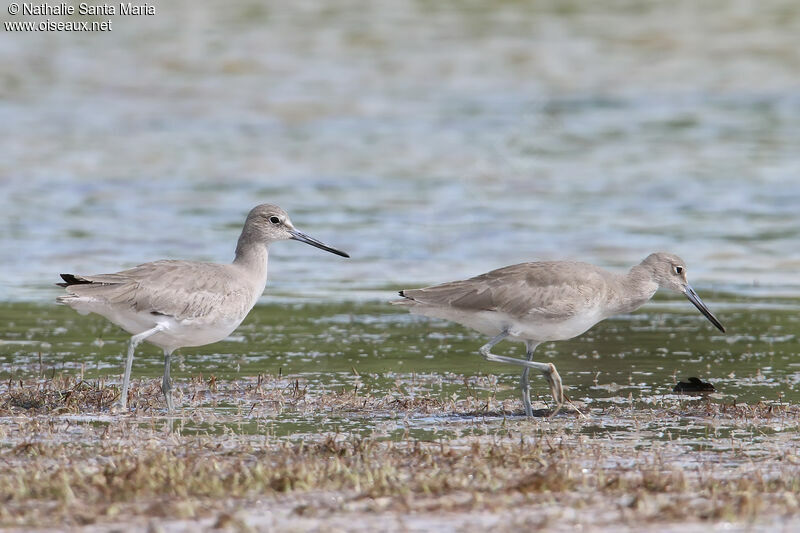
<point>176,304</point>
<point>548,301</point>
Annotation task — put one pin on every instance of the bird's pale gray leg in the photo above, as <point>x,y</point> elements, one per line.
<point>489,345</point>
<point>126,379</point>
<point>548,369</point>
<point>525,387</point>
<point>524,382</point>
<point>166,382</point>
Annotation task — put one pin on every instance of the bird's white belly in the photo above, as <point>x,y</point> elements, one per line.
<point>554,330</point>
<point>193,332</point>
<point>177,333</point>
<point>529,329</point>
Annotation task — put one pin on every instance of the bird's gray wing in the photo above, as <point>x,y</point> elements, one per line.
<point>543,289</point>
<point>181,289</point>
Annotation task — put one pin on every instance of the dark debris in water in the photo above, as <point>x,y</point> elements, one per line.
<point>694,386</point>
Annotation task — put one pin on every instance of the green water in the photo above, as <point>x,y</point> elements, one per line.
<point>630,360</point>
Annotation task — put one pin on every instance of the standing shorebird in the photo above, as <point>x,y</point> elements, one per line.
<point>549,301</point>
<point>175,304</point>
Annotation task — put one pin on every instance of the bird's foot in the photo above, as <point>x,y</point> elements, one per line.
<point>118,407</point>
<point>557,390</point>
<point>168,401</point>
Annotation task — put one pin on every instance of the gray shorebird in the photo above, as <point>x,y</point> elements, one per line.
<point>548,301</point>
<point>176,304</point>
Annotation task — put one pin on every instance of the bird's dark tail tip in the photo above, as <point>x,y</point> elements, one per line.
<point>405,295</point>
<point>72,279</point>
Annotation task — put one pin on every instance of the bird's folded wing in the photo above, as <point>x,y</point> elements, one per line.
<point>180,289</point>
<point>519,291</point>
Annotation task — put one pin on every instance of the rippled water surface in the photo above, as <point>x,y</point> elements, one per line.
<point>431,140</point>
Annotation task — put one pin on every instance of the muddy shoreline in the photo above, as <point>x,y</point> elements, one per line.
<point>68,460</point>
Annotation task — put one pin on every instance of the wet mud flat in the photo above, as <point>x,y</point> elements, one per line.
<point>275,453</point>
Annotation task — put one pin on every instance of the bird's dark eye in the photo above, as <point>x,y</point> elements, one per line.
<point>679,270</point>
<point>275,220</point>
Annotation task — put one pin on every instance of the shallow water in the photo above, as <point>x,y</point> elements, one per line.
<point>631,362</point>
<point>432,141</point>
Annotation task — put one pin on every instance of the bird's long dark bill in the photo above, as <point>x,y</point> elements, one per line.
<point>302,237</point>
<point>698,303</point>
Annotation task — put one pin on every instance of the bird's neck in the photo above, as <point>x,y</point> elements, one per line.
<point>252,256</point>
<point>636,289</point>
